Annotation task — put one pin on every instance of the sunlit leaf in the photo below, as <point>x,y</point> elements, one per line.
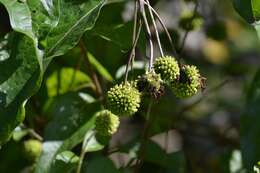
<point>20,77</point>
<point>66,79</point>
<point>91,144</point>
<point>250,11</point>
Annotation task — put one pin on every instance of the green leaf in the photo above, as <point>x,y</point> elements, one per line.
<point>64,80</point>
<point>19,133</point>
<point>99,165</point>
<point>250,11</point>
<point>90,142</point>
<point>20,16</point>
<point>113,28</point>
<point>172,162</point>
<point>72,119</point>
<point>99,67</point>
<point>20,77</point>
<point>113,35</point>
<point>257,27</point>
<point>69,112</point>
<point>67,157</point>
<point>57,26</point>
<point>256,9</point>
<point>65,162</point>
<point>60,24</point>
<point>250,129</point>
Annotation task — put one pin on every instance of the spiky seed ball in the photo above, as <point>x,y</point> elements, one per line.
<point>123,99</point>
<point>150,84</point>
<point>189,82</point>
<point>32,149</point>
<point>168,68</point>
<point>106,123</point>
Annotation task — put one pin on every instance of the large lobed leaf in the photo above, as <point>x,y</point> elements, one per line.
<point>250,11</point>
<point>56,26</point>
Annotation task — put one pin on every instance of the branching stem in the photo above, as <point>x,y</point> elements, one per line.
<point>164,28</point>
<point>155,28</point>
<point>149,35</point>
<point>132,54</point>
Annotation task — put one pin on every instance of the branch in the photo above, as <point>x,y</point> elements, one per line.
<point>132,54</point>
<point>142,10</point>
<point>165,29</point>
<point>155,27</point>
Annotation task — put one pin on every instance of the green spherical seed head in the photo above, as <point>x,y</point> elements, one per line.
<point>150,84</point>
<point>168,68</point>
<point>189,82</point>
<point>123,99</point>
<point>106,123</point>
<point>32,149</point>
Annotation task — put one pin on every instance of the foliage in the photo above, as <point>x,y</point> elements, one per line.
<point>64,65</point>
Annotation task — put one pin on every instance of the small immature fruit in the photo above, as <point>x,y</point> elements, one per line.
<point>123,99</point>
<point>168,68</point>
<point>150,84</point>
<point>32,149</point>
<point>189,83</point>
<point>106,123</point>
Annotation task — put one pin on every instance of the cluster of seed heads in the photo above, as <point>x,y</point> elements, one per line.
<point>185,80</point>
<point>125,98</point>
<point>122,99</point>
